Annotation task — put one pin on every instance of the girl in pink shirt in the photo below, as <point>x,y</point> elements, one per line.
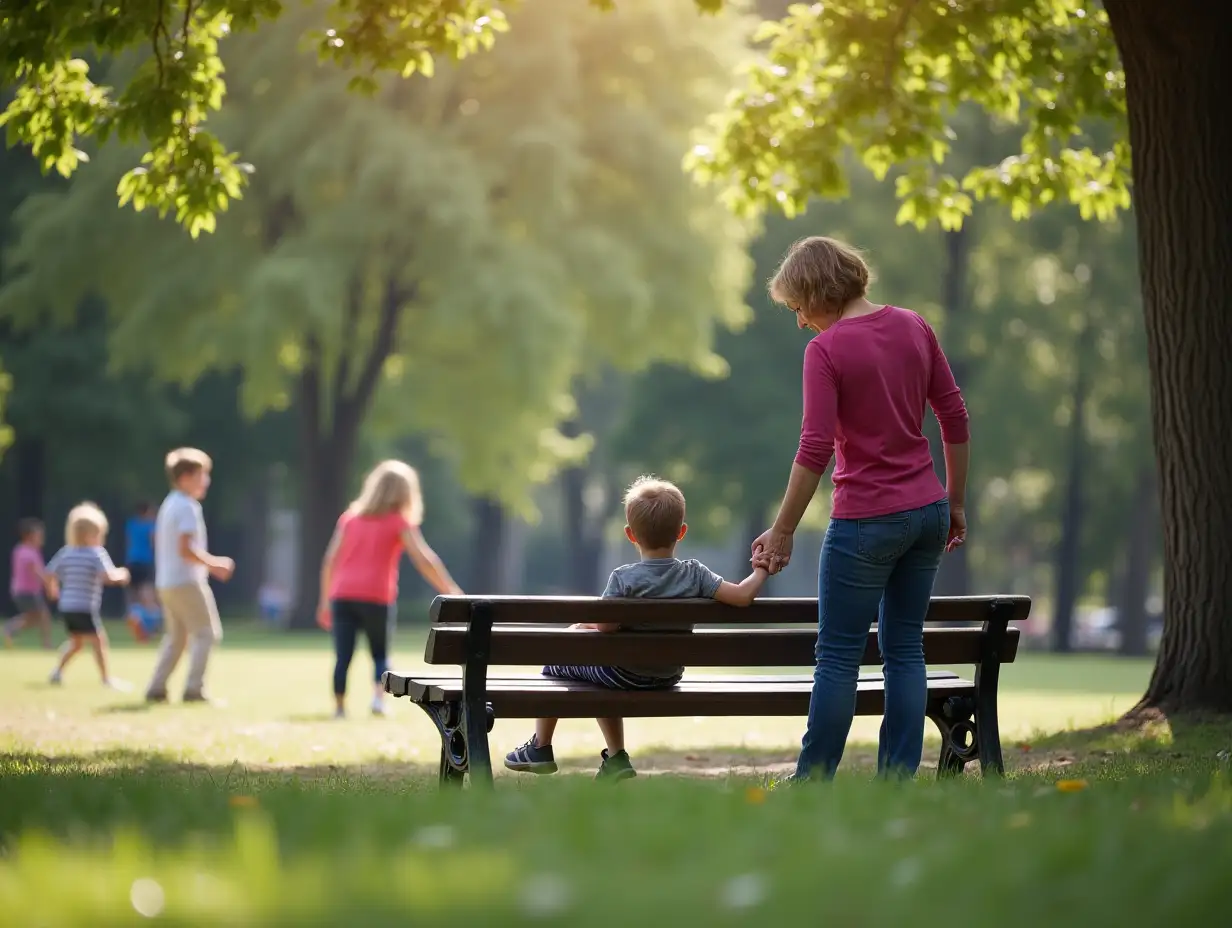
<point>359,574</point>
<point>26,584</point>
<point>868,375</point>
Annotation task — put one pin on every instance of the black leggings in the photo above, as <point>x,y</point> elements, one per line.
<point>376,621</point>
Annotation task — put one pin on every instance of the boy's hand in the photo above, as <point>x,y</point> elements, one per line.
<point>222,569</point>
<point>122,576</point>
<point>583,627</point>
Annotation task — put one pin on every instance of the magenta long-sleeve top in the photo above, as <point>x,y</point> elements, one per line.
<point>866,382</point>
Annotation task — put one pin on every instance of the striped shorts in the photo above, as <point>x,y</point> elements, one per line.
<point>614,678</point>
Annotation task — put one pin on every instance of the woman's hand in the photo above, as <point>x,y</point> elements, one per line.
<point>772,550</point>
<point>958,528</point>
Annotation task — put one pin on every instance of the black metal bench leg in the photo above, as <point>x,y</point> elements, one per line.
<point>958,737</point>
<point>987,728</point>
<point>475,713</point>
<point>987,678</point>
<point>447,717</point>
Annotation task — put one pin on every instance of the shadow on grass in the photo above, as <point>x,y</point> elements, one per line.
<point>1150,739</point>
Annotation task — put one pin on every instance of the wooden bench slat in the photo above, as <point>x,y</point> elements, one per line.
<point>765,647</point>
<point>529,697</point>
<point>565,610</point>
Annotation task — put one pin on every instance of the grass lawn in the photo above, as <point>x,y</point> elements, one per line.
<point>266,812</point>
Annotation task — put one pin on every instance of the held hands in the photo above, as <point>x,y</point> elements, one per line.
<point>958,528</point>
<point>772,550</point>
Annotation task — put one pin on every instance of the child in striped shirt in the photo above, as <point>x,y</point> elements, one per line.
<point>75,576</point>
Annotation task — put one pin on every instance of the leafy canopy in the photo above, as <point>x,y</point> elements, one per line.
<point>886,79</point>
<point>879,76</point>
<point>473,242</point>
<point>164,103</point>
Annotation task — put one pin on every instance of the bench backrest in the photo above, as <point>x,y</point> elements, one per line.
<point>511,630</point>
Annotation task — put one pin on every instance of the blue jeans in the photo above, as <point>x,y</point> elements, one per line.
<point>874,570</point>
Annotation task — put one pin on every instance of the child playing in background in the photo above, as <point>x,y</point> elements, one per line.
<point>139,541</point>
<point>26,583</point>
<point>359,573</point>
<point>145,616</point>
<point>75,576</point>
<point>654,510</point>
<point>183,566</point>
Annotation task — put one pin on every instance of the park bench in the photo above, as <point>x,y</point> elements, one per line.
<point>476,632</point>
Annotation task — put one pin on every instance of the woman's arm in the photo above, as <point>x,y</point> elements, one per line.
<point>957,460</point>
<point>427,563</point>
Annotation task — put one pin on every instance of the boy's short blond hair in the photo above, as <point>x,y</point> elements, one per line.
<point>820,273</point>
<point>654,509</point>
<point>184,461</point>
<point>85,520</point>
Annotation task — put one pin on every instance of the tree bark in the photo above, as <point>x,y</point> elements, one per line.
<point>1140,545</point>
<point>584,523</point>
<point>331,413</point>
<point>1178,74</point>
<point>954,575</point>
<point>1069,549</point>
<point>491,535</point>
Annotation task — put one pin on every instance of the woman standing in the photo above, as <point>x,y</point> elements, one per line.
<point>868,374</point>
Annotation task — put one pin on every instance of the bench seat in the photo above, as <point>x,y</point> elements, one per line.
<point>527,697</point>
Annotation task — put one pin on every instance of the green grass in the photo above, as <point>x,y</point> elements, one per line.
<point>263,812</point>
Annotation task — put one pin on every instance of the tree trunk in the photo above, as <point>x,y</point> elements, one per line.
<point>1140,544</point>
<point>1178,73</point>
<point>331,413</point>
<point>954,576</point>
<point>31,460</point>
<point>584,523</point>
<point>1069,549</point>
<point>326,461</point>
<point>491,528</point>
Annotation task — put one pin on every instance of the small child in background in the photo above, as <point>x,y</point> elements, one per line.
<point>75,577</point>
<point>139,559</point>
<point>359,573</point>
<point>145,616</point>
<point>654,510</point>
<point>26,584</point>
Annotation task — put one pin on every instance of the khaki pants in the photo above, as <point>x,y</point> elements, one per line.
<point>190,619</point>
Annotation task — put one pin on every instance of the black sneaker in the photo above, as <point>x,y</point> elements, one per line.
<point>616,767</point>
<point>530,758</point>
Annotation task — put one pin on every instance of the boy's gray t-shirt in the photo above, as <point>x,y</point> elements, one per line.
<point>662,578</point>
<point>179,514</point>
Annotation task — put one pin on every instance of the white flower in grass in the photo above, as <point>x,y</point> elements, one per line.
<point>897,828</point>
<point>744,892</point>
<point>905,872</point>
<point>435,836</point>
<point>545,894</point>
<point>147,897</point>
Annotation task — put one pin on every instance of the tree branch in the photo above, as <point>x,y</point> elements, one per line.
<point>346,343</point>
<point>393,299</point>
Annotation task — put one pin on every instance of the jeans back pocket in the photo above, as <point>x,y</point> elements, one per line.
<point>884,538</point>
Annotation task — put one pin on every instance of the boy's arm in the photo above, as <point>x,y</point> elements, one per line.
<point>114,576</point>
<point>744,592</point>
<point>185,528</point>
<point>614,590</point>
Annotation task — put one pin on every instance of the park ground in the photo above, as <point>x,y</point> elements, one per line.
<point>265,811</point>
